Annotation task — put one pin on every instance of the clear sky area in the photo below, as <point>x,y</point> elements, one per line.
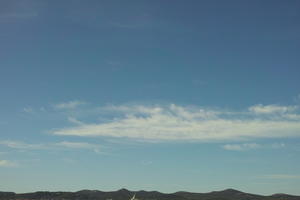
<point>150,95</point>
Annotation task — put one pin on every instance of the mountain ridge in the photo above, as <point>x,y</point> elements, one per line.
<point>124,194</point>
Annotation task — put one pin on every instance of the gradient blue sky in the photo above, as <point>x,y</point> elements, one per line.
<point>147,94</point>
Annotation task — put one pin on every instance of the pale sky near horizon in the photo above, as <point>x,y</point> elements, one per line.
<point>150,95</point>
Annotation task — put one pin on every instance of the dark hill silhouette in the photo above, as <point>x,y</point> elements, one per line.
<point>124,194</point>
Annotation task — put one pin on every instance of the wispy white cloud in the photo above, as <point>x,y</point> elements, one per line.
<point>135,109</point>
<point>75,121</point>
<point>34,110</point>
<point>75,145</point>
<point>69,105</point>
<point>172,109</point>
<point>241,147</point>
<point>28,110</point>
<point>7,163</point>
<point>271,109</point>
<point>21,145</point>
<point>80,145</point>
<point>51,146</point>
<point>178,123</point>
<point>278,145</point>
<point>252,146</point>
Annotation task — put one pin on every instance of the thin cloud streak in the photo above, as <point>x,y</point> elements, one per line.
<point>76,145</point>
<point>252,146</point>
<point>75,121</point>
<point>21,145</point>
<point>52,146</point>
<point>177,123</point>
<point>272,109</point>
<point>28,110</point>
<point>241,147</point>
<point>69,105</point>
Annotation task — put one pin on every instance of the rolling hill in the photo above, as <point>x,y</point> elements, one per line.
<point>124,194</point>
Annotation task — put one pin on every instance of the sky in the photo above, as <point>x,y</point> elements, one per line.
<point>150,95</point>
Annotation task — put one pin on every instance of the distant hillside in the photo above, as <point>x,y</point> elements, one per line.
<point>124,194</point>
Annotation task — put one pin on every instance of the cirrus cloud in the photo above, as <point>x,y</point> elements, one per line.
<point>241,147</point>
<point>271,109</point>
<point>51,146</point>
<point>69,105</point>
<point>178,123</point>
<point>76,145</point>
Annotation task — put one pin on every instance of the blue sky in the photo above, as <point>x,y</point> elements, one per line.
<point>189,95</point>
